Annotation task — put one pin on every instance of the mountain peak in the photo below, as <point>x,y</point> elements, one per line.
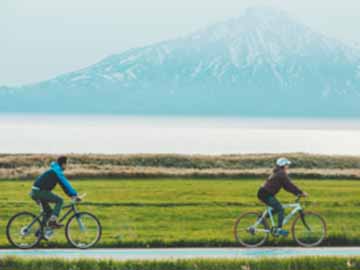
<point>252,20</point>
<point>264,11</point>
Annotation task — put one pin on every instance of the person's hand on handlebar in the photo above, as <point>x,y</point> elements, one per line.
<point>76,199</point>
<point>304,194</point>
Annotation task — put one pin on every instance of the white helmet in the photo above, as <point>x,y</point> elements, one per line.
<point>282,162</point>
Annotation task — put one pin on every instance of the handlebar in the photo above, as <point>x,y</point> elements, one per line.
<point>298,198</point>
<point>81,197</point>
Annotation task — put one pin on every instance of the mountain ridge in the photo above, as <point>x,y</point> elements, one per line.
<point>256,64</point>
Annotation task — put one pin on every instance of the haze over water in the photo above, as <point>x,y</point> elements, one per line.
<point>193,135</point>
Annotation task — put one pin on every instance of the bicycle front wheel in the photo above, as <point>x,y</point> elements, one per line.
<point>83,230</point>
<point>309,229</point>
<point>24,230</point>
<point>247,233</point>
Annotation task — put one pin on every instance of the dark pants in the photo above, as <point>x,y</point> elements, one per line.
<point>45,198</point>
<point>271,201</point>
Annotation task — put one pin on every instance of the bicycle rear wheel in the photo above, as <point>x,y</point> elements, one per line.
<point>83,230</point>
<point>24,230</point>
<point>247,234</point>
<point>309,229</point>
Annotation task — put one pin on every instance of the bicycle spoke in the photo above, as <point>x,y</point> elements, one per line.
<point>247,233</point>
<point>83,230</point>
<point>24,230</point>
<point>311,231</point>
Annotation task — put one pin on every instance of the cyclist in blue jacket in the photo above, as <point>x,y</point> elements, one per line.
<point>45,183</point>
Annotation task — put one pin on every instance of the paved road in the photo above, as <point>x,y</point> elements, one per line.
<point>181,253</point>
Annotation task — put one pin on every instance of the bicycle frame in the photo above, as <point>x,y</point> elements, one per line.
<point>296,208</point>
<point>72,209</point>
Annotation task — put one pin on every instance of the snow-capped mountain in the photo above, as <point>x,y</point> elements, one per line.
<point>261,63</point>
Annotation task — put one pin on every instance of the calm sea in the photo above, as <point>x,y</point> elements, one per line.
<point>193,135</point>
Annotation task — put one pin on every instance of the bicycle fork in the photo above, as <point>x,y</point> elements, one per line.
<point>302,216</point>
<point>78,219</point>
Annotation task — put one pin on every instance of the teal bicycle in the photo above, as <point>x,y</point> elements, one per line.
<point>308,228</point>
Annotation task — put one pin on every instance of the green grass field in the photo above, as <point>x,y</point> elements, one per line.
<point>154,213</point>
<point>306,263</point>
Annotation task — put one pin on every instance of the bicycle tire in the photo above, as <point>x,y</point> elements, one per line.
<point>68,233</point>
<point>241,240</point>
<point>8,229</point>
<point>300,218</point>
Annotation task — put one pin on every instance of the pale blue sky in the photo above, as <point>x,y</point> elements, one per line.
<point>40,39</point>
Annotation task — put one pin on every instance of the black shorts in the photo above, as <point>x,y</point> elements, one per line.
<point>263,195</point>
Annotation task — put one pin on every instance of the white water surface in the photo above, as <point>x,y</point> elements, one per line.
<point>188,135</point>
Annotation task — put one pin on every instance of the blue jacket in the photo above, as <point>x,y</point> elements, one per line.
<point>49,179</point>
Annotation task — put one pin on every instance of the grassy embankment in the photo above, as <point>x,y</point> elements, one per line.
<point>323,263</point>
<point>183,166</point>
<point>198,212</point>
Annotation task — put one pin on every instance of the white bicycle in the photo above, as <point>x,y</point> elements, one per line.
<point>308,228</point>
